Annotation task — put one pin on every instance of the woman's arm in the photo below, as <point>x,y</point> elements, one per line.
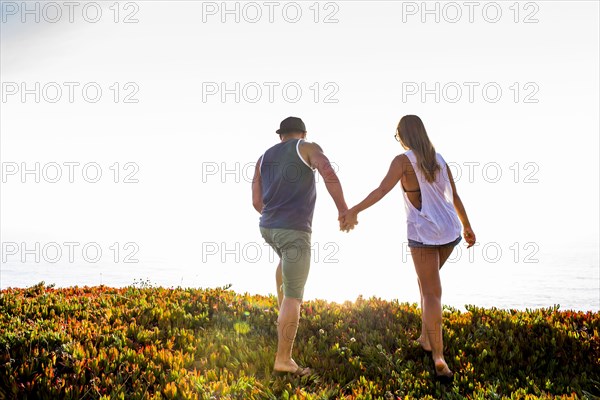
<point>391,179</point>
<point>462,213</point>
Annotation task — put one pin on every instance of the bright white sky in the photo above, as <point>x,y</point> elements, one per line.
<point>372,59</point>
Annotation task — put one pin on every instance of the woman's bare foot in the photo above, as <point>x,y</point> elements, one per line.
<point>424,343</point>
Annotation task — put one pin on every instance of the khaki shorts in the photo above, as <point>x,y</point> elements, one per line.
<point>293,247</point>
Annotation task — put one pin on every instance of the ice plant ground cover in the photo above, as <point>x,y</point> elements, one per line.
<point>142,342</point>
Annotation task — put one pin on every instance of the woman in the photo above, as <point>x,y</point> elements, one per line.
<point>433,210</point>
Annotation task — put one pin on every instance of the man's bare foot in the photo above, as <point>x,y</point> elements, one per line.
<point>424,343</point>
<point>442,370</point>
<point>285,366</point>
<point>300,372</point>
<point>290,367</point>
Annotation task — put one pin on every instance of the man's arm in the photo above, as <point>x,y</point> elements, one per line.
<point>257,188</point>
<point>314,156</point>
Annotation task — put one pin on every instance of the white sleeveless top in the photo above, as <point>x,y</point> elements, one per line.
<point>437,223</point>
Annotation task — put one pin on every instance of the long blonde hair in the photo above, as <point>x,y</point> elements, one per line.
<point>413,136</point>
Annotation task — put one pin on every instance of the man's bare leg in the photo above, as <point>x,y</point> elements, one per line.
<point>279,283</point>
<point>287,326</point>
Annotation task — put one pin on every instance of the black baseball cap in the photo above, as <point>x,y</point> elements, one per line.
<point>291,124</point>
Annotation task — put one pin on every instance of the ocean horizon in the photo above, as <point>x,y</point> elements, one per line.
<point>571,281</point>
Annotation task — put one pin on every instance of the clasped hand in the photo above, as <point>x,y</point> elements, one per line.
<point>348,220</point>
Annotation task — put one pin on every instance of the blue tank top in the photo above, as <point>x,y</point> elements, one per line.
<point>288,188</point>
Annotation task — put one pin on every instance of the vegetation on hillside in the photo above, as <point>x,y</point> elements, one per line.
<point>158,343</point>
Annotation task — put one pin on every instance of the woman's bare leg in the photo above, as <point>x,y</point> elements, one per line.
<point>444,254</point>
<point>427,265</point>
<point>423,339</point>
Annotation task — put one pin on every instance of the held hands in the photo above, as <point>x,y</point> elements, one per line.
<point>348,220</point>
<point>469,236</point>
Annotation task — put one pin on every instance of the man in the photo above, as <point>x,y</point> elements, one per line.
<point>284,193</point>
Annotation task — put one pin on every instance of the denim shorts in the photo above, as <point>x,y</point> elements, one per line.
<point>293,247</point>
<point>414,243</point>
